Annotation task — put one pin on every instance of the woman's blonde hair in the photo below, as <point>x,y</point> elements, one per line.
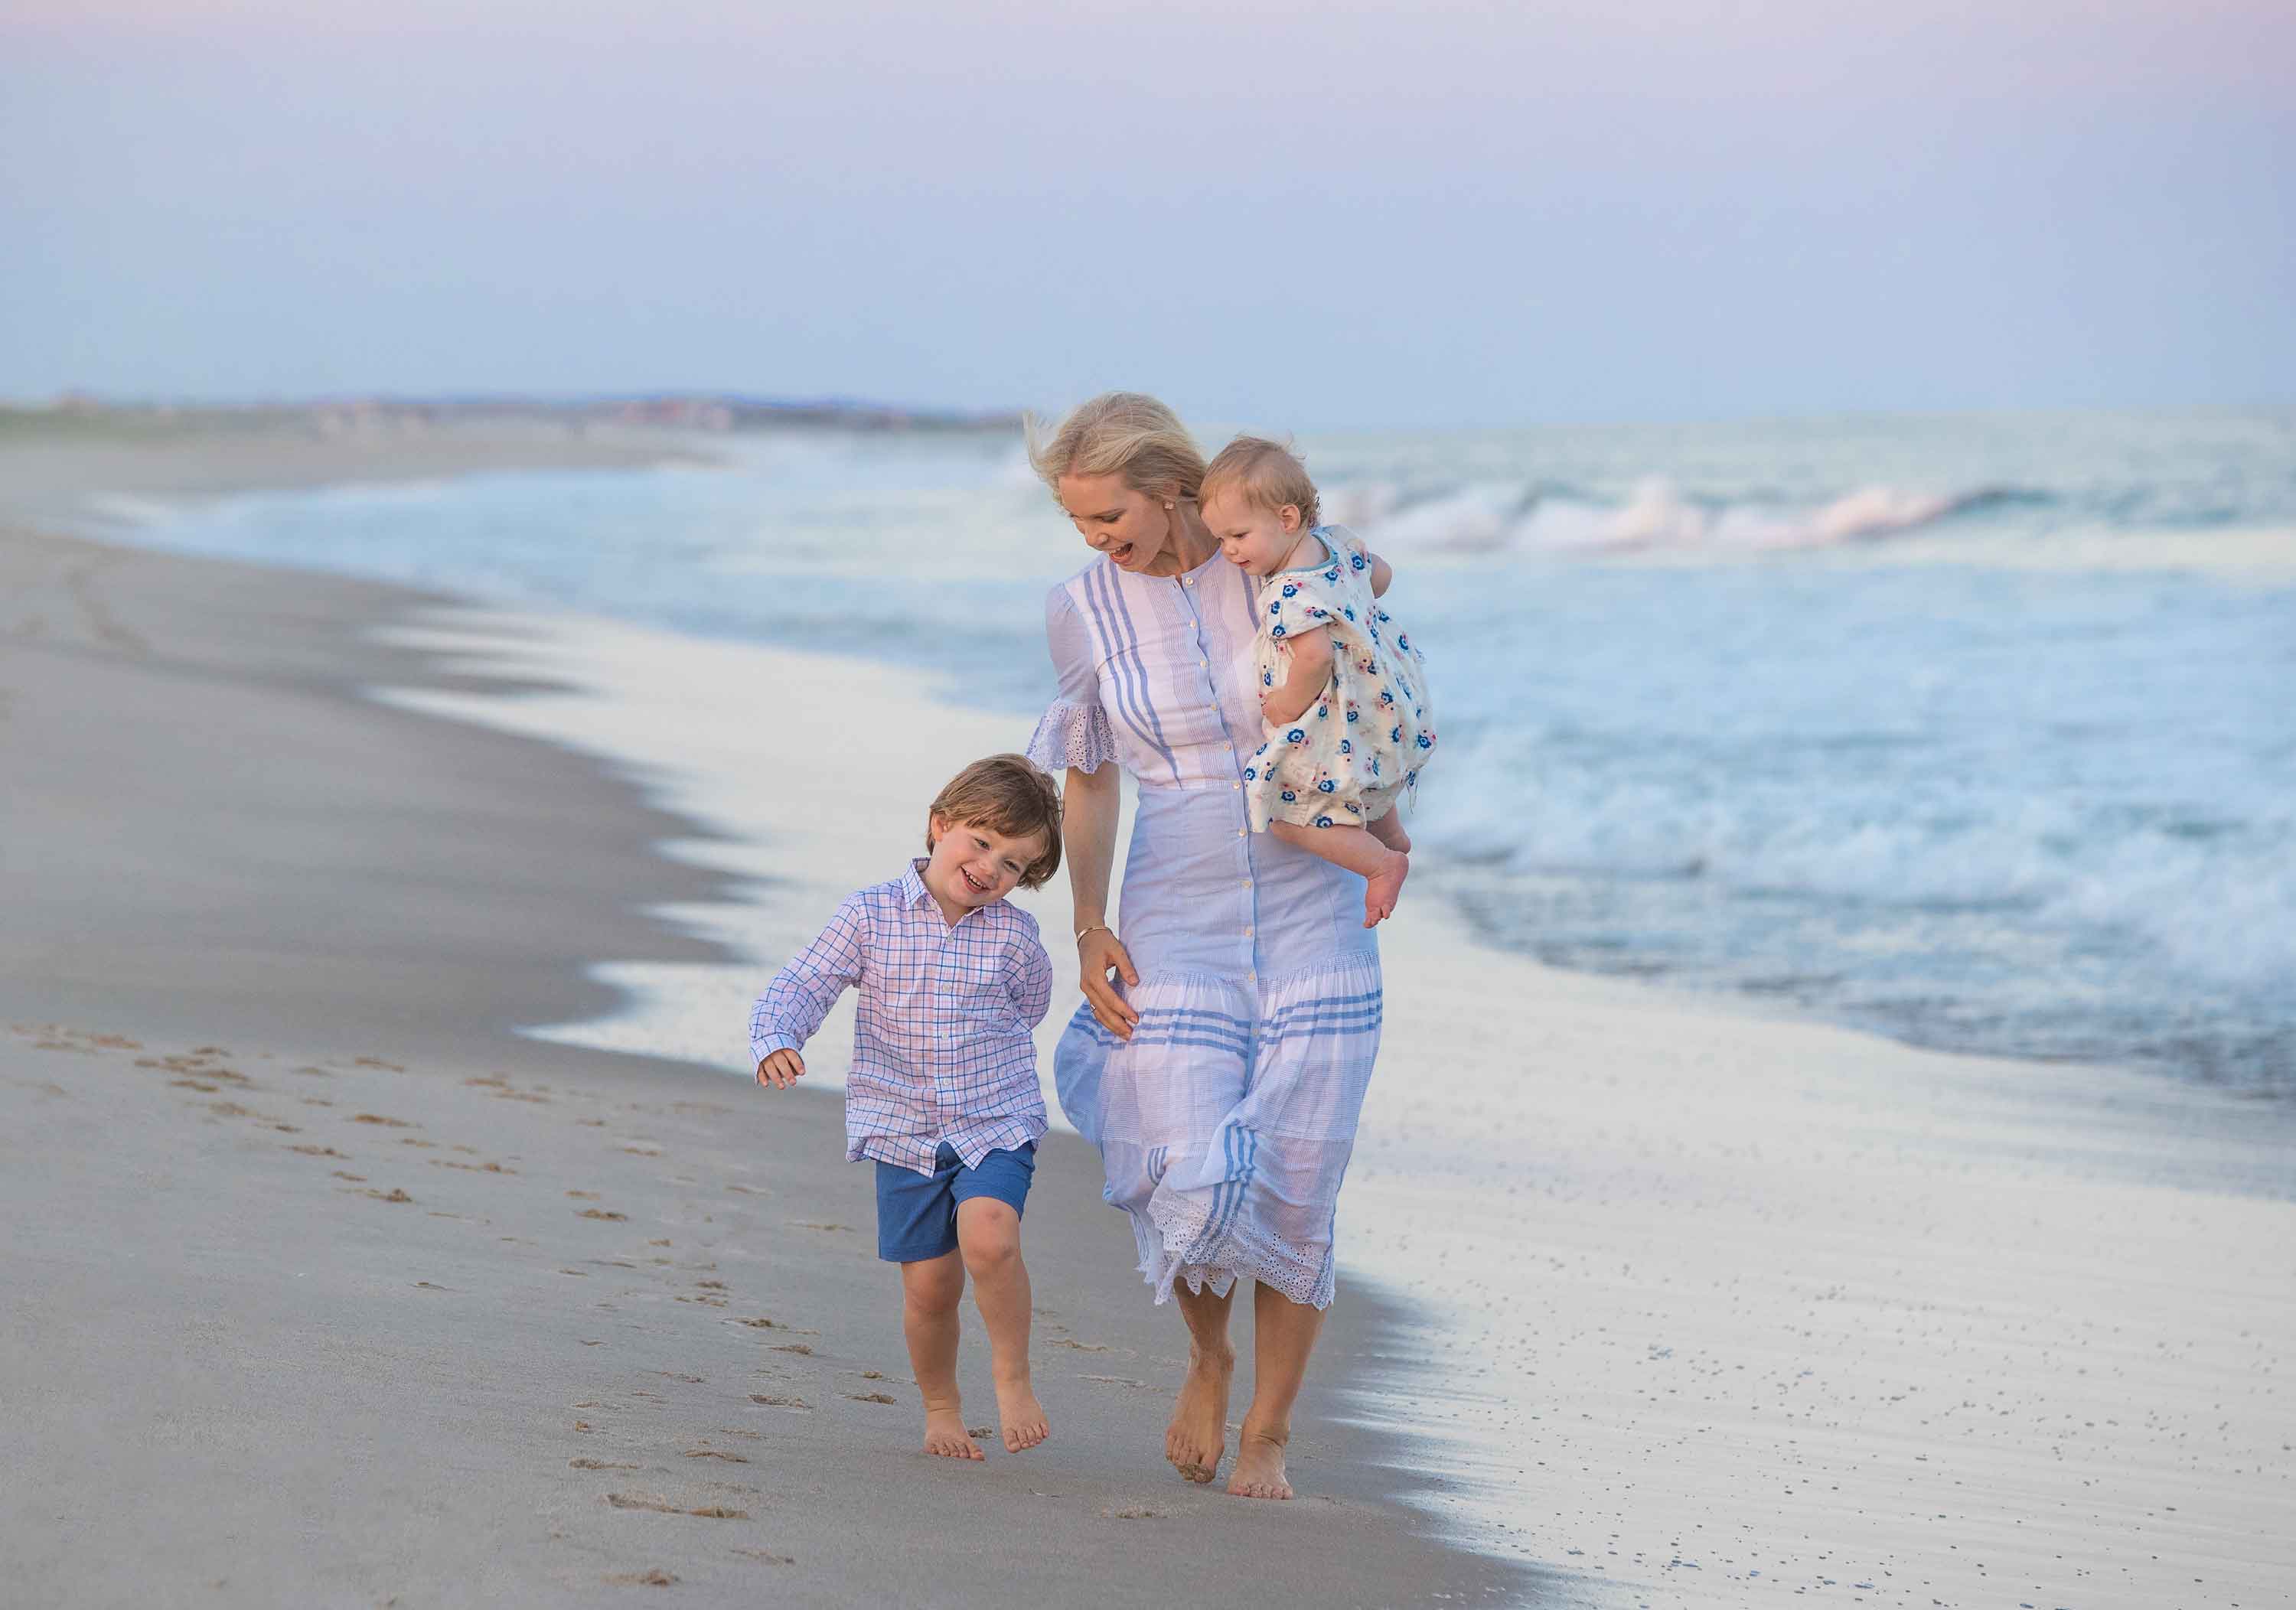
<point>1124,433</point>
<point>1267,475</point>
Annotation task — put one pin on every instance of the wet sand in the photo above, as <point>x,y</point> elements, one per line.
<point>324,1287</point>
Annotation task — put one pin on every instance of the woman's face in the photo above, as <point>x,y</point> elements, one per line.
<point>1131,527</point>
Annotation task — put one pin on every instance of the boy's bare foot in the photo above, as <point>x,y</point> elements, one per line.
<point>1382,887</point>
<point>945,1436</point>
<point>1198,1435</point>
<point>1258,1466</point>
<point>1023,1417</point>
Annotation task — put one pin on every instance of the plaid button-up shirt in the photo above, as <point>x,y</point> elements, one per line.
<point>943,1046</point>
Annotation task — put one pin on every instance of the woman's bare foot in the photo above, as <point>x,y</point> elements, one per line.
<point>945,1436</point>
<point>1382,887</point>
<point>1260,1466</point>
<point>1198,1435</point>
<point>1022,1416</point>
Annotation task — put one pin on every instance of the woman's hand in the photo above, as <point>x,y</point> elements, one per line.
<point>1098,954</point>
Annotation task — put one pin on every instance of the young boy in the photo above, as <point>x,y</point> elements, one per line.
<point>943,1094</point>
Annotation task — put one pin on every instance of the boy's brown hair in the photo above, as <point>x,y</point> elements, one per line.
<point>1268,474</point>
<point>1008,795</point>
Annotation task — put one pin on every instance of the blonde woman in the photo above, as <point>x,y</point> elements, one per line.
<point>1232,999</point>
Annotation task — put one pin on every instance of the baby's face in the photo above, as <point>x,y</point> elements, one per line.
<point>1259,540</point>
<point>975,865</point>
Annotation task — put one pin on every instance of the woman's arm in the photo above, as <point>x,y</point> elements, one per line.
<point>1304,683</point>
<point>1088,849</point>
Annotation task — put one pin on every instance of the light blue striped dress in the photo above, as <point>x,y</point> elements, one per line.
<point>1226,1123</point>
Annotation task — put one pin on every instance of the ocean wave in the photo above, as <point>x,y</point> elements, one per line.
<point>1504,516</point>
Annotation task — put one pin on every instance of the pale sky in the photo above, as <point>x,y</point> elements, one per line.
<point>1309,216</point>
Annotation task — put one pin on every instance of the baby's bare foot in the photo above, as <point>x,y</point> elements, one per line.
<point>945,1436</point>
<point>1382,887</point>
<point>1198,1435</point>
<point>1258,1468</point>
<point>1022,1416</point>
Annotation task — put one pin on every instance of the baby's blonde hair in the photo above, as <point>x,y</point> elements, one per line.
<point>1267,475</point>
<point>1124,433</point>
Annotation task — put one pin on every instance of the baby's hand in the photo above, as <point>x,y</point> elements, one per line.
<point>781,1070</point>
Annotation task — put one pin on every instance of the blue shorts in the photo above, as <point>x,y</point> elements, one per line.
<point>916,1213</point>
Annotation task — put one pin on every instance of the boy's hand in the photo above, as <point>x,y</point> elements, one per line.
<point>781,1070</point>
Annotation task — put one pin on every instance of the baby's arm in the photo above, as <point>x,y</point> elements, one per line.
<point>802,994</point>
<point>1383,574</point>
<point>1305,682</point>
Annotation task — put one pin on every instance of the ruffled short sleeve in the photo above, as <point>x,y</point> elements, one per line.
<point>1074,732</point>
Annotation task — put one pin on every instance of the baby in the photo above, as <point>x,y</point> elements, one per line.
<point>942,1094</point>
<point>1342,693</point>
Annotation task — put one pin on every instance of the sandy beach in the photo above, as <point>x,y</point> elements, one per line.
<point>328,1286</point>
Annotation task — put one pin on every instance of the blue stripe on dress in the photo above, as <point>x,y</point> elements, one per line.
<point>1107,610</point>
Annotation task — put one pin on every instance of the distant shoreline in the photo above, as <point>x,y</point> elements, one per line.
<point>706,412</point>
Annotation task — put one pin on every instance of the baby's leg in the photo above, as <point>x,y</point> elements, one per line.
<point>989,1234</point>
<point>1384,870</point>
<point>1389,831</point>
<point>930,1291</point>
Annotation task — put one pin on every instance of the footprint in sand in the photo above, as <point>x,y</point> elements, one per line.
<point>393,1194</point>
<point>771,1402</point>
<point>388,1122</point>
<point>1135,1513</point>
<point>872,1397</point>
<point>602,1465</point>
<point>597,1213</point>
<point>643,1579</point>
<point>709,1512</point>
<point>369,1062</point>
<point>770,1559</point>
<point>320,1151</point>
<point>794,1347</point>
<point>346,1174</point>
<point>1080,1346</point>
<point>712,1454</point>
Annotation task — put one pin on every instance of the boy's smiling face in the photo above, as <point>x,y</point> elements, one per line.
<point>1256,540</point>
<point>974,865</point>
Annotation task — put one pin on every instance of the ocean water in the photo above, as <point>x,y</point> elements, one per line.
<point>1977,730</point>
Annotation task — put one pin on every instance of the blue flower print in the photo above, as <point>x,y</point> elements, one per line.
<point>1351,807</point>
<point>1324,821</point>
<point>1252,774</point>
<point>1395,733</point>
<point>1327,787</point>
<point>1410,780</point>
<point>1296,735</point>
<point>1375,766</point>
<point>1290,590</point>
<point>1387,699</point>
<point>1267,679</point>
<point>1333,574</point>
<point>1290,798</point>
<point>1353,714</point>
<point>1349,611</point>
<point>1403,641</point>
<point>1276,630</point>
<point>1347,745</point>
<point>1427,740</point>
<point>1315,614</point>
<point>1321,711</point>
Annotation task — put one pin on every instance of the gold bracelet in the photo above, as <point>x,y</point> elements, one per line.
<point>1097,927</point>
